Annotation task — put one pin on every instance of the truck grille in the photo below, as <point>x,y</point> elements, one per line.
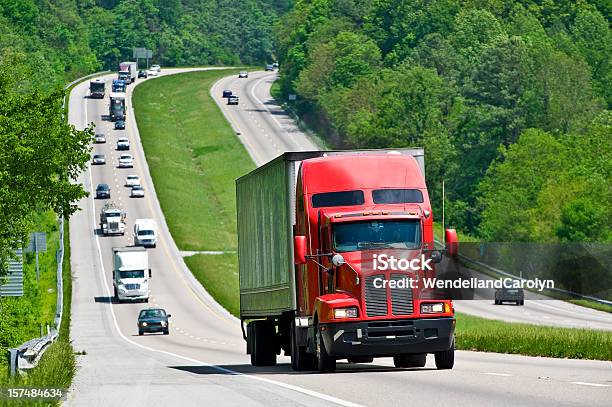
<point>375,298</point>
<point>132,286</point>
<point>113,225</point>
<point>401,298</point>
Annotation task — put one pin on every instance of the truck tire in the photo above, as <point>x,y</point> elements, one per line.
<point>140,333</point>
<point>325,363</point>
<point>521,302</point>
<point>402,361</point>
<point>263,340</point>
<point>446,359</point>
<point>166,331</point>
<point>300,359</point>
<point>115,295</point>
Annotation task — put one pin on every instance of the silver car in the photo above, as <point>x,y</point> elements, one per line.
<point>123,144</point>
<point>126,161</point>
<point>137,191</point>
<point>98,159</point>
<point>99,138</point>
<point>243,74</point>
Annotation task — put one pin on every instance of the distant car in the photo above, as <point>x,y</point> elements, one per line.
<point>155,68</point>
<point>151,72</point>
<point>227,93</point>
<point>103,191</point>
<point>126,161</point>
<point>99,138</point>
<point>98,159</point>
<point>515,295</point>
<point>232,100</point>
<point>243,74</point>
<point>142,74</point>
<point>153,320</point>
<point>137,191</point>
<point>269,67</point>
<point>275,65</point>
<point>120,125</point>
<point>132,180</point>
<point>123,144</point>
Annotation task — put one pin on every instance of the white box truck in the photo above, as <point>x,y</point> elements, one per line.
<point>131,274</point>
<point>145,233</point>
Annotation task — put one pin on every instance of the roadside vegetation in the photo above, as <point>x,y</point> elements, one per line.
<point>57,366</point>
<point>510,99</point>
<point>480,334</point>
<point>198,125</point>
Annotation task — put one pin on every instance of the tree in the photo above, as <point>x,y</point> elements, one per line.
<point>509,191</point>
<point>40,155</point>
<point>593,38</point>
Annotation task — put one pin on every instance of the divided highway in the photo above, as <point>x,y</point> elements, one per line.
<point>203,360</point>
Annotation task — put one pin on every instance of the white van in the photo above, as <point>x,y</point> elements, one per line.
<point>145,233</point>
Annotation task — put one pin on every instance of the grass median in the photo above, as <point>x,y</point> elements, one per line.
<point>195,158</point>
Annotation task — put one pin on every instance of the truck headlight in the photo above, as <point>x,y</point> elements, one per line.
<point>164,323</point>
<point>432,307</point>
<point>351,312</point>
<point>144,324</point>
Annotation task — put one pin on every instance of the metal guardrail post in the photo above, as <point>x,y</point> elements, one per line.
<point>12,355</point>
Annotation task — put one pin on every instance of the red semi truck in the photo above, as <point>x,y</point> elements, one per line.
<point>309,223</point>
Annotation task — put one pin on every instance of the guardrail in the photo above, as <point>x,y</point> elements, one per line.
<point>27,355</point>
<point>496,271</point>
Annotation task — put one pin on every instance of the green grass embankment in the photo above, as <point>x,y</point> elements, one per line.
<point>195,158</point>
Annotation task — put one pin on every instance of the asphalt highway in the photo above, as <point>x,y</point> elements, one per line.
<point>203,360</point>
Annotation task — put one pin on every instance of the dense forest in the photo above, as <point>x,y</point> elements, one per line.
<point>46,43</point>
<point>69,38</point>
<point>510,99</point>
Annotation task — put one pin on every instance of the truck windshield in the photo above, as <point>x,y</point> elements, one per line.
<point>387,234</point>
<point>145,233</point>
<point>113,214</point>
<point>131,274</point>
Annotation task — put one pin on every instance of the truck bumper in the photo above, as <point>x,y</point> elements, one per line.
<point>132,297</point>
<point>388,337</point>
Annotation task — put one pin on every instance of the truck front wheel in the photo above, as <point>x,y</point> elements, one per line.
<point>263,340</point>
<point>326,363</point>
<point>446,359</point>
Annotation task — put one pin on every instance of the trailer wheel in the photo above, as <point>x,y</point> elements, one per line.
<point>446,359</point>
<point>326,363</point>
<point>263,350</point>
<point>300,359</point>
<point>418,360</point>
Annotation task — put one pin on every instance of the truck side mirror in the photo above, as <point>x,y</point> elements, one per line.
<point>452,242</point>
<point>436,257</point>
<point>149,273</point>
<point>299,250</point>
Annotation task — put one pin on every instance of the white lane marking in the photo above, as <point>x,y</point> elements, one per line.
<point>497,374</point>
<point>298,389</point>
<point>591,384</point>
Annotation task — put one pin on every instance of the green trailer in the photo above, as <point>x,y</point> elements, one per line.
<point>265,200</point>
